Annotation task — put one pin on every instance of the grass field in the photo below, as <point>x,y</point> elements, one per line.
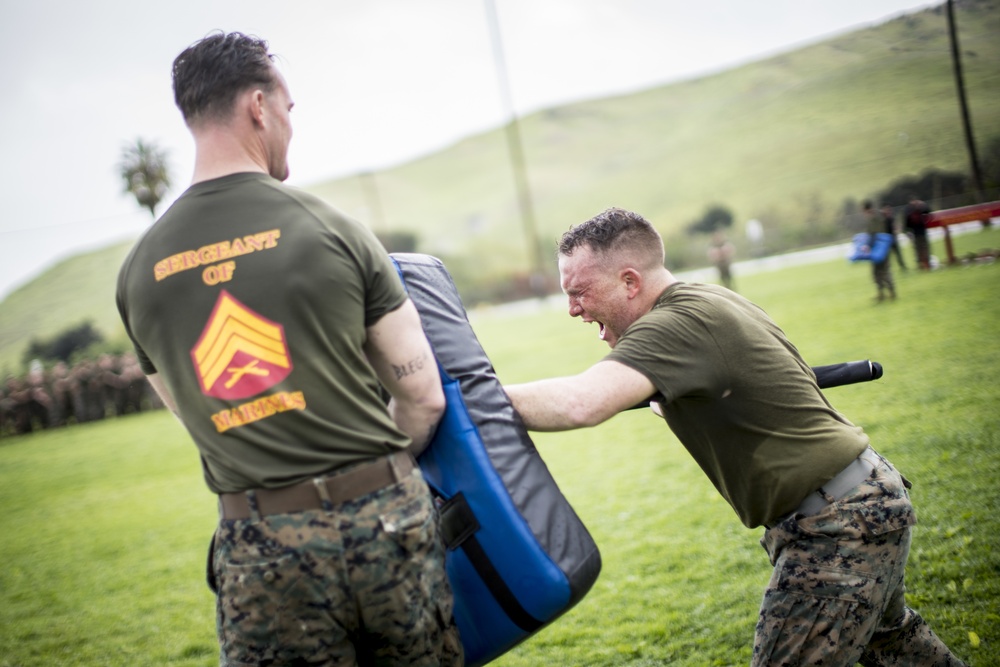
<point>105,526</point>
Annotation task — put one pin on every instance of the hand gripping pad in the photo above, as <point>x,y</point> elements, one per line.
<point>518,556</point>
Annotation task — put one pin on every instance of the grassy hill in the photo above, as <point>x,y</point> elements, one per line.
<point>75,290</point>
<point>784,140</point>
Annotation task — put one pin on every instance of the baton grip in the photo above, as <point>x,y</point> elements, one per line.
<point>849,372</point>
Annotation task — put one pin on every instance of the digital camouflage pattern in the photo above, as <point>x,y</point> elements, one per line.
<point>836,596</point>
<point>361,585</point>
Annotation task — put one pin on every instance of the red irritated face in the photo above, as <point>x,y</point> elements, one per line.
<point>598,292</point>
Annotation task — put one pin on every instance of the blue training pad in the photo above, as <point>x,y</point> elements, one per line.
<point>519,557</point>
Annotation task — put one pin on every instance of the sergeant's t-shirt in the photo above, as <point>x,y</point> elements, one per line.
<point>251,299</point>
<point>740,398</point>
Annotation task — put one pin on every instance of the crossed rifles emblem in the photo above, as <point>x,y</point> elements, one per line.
<point>239,372</point>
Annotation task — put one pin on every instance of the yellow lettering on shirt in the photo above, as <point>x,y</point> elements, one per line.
<point>218,273</point>
<point>258,409</point>
<point>214,252</point>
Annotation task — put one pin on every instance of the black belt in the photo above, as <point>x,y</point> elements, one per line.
<point>319,493</point>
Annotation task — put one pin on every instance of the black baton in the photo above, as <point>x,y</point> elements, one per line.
<point>834,375</point>
<point>848,372</point>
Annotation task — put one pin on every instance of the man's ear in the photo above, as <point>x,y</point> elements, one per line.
<point>632,280</point>
<point>256,107</point>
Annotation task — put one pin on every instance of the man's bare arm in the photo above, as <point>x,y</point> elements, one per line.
<point>587,399</point>
<point>403,359</point>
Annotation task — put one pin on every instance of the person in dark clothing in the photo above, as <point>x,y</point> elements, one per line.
<point>881,271</point>
<point>890,228</point>
<point>915,223</point>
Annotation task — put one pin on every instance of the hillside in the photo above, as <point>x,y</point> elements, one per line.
<point>784,140</point>
<point>75,290</point>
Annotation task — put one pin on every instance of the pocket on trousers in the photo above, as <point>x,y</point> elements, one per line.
<point>266,605</point>
<point>251,592</point>
<point>813,615</point>
<point>825,582</point>
<point>889,515</point>
<point>411,525</point>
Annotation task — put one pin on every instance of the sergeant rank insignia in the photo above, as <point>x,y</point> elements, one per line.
<point>240,353</point>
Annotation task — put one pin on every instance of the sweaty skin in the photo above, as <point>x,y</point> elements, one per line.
<point>613,299</point>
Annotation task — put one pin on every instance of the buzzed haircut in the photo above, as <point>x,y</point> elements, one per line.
<point>211,73</point>
<point>613,231</point>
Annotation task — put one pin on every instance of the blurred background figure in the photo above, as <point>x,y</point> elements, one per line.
<point>720,253</point>
<point>755,237</point>
<point>915,223</point>
<point>890,228</point>
<point>881,271</point>
<point>91,389</point>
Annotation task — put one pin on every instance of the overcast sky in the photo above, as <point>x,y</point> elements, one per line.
<point>376,83</point>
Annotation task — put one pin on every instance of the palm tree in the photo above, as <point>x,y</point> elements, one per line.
<point>144,168</point>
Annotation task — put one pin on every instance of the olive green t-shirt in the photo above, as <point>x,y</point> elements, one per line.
<point>251,300</point>
<point>740,398</point>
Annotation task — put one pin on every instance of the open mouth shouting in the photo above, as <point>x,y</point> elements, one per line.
<point>602,330</point>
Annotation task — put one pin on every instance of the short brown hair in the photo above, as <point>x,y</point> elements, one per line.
<point>615,230</point>
<point>209,74</point>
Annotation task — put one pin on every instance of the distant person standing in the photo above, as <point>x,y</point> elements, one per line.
<point>268,322</point>
<point>915,222</point>
<point>890,228</point>
<point>720,253</point>
<point>755,237</point>
<point>881,271</point>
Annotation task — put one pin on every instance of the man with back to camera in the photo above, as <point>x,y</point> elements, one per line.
<point>746,406</point>
<point>266,321</point>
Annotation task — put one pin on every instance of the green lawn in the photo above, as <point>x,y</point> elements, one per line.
<point>105,526</point>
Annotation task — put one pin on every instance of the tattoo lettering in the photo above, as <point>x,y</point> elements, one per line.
<point>410,367</point>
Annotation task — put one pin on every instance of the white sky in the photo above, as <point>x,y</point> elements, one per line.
<point>375,82</point>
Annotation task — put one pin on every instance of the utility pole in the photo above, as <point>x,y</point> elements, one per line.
<point>516,149</point>
<point>977,177</point>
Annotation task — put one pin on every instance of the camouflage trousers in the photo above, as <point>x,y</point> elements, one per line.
<point>882,274</point>
<point>836,596</point>
<point>361,585</point>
